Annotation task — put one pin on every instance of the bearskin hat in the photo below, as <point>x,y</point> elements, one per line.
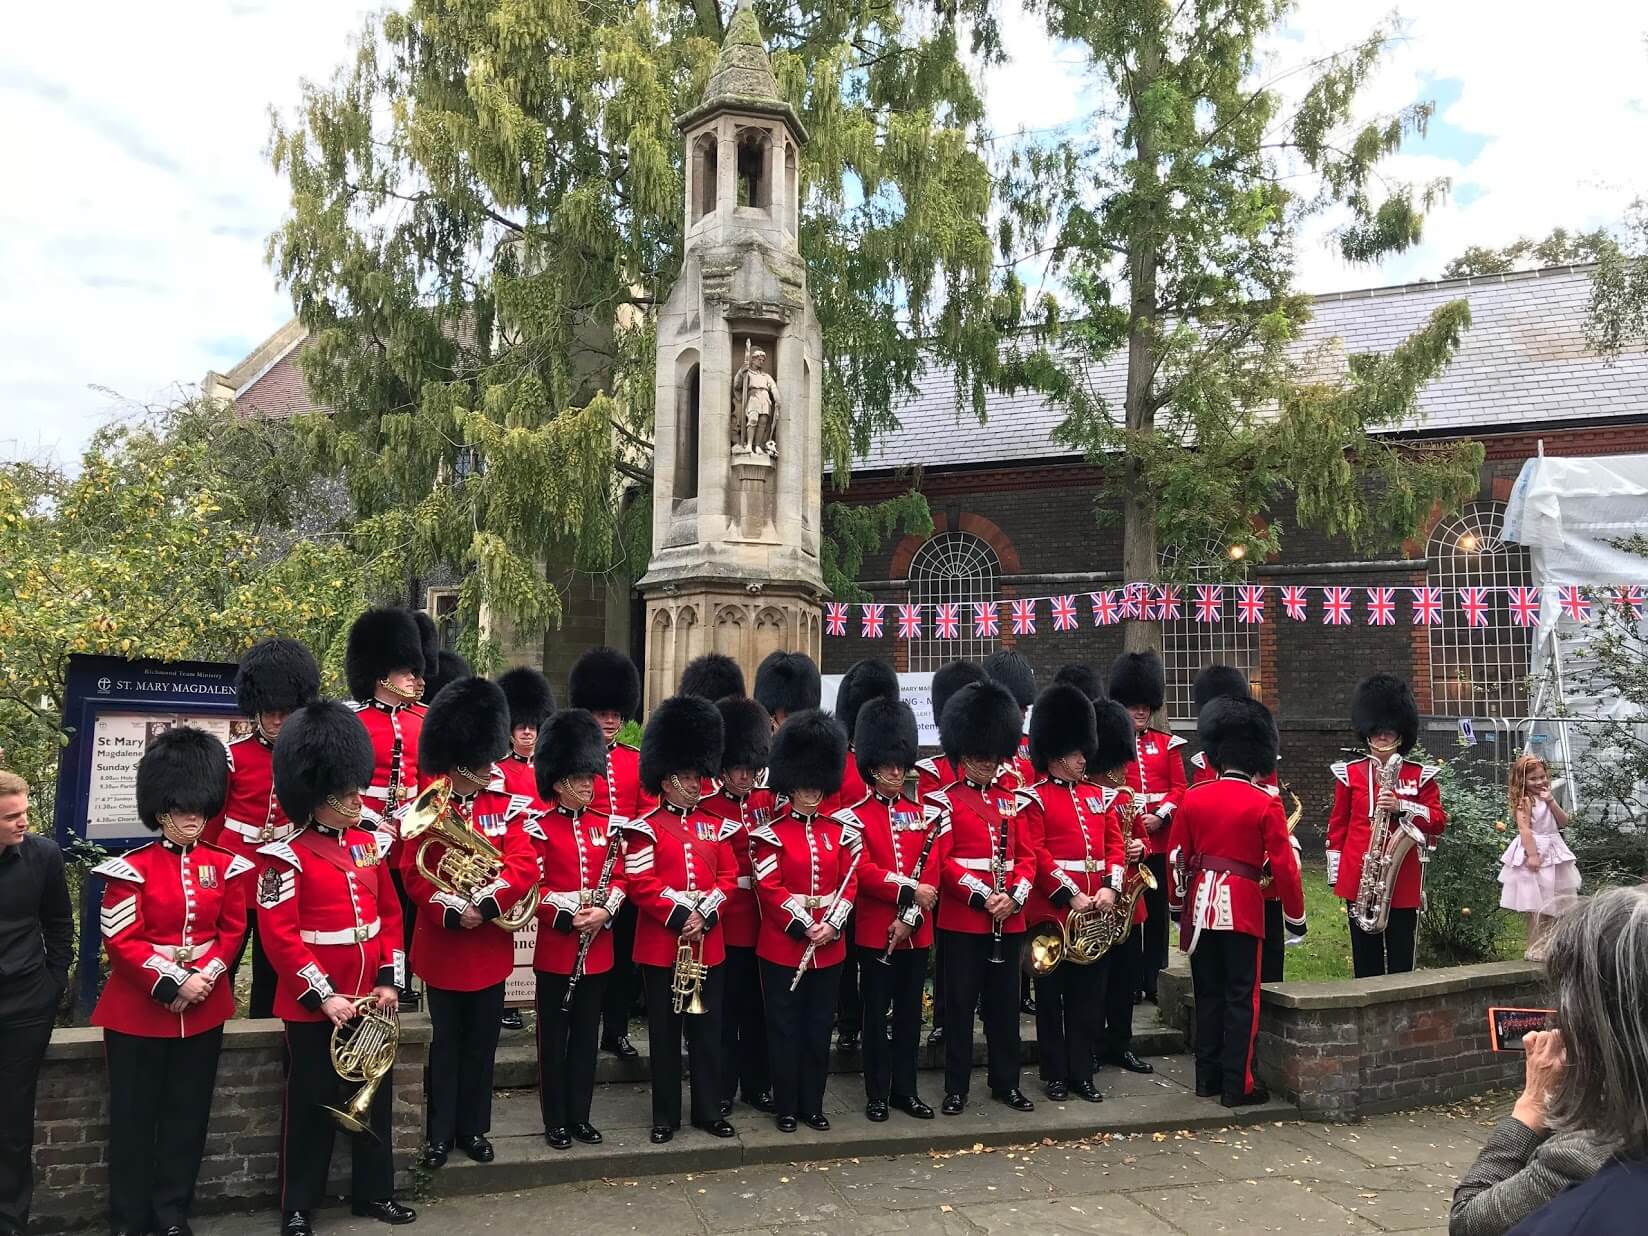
<point>787,682</point>
<point>1012,671</point>
<point>530,698</point>
<point>1213,681</point>
<point>950,678</point>
<point>448,668</point>
<point>1240,733</point>
<point>809,752</point>
<point>1385,702</point>
<point>864,681</point>
<point>185,769</point>
<point>1116,741</point>
<point>714,676</point>
<point>605,680</point>
<point>885,734</point>
<point>380,642</point>
<point>429,635</point>
<point>1137,680</point>
<point>981,720</point>
<point>324,749</point>
<point>467,726</point>
<point>569,743</point>
<point>276,675</point>
<point>747,731</point>
<point>1061,722</point>
<point>1084,678</point>
<point>683,732</point>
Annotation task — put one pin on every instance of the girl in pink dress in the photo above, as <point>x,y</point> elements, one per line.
<point>1538,872</point>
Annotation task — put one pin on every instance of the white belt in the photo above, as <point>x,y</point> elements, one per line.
<point>817,902</point>
<point>183,954</point>
<point>1154,798</point>
<point>745,882</point>
<point>349,935</point>
<point>1087,865</point>
<point>259,832</point>
<point>566,898</point>
<point>973,864</point>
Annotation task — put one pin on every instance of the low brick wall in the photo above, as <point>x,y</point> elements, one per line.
<point>1346,1050</point>
<point>241,1165</point>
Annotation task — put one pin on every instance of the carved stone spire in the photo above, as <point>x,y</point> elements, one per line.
<point>743,78</point>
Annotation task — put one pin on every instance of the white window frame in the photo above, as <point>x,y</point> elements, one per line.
<point>957,568</point>
<point>1477,671</point>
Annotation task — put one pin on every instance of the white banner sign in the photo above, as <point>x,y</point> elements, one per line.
<point>916,690</point>
<point>118,742</point>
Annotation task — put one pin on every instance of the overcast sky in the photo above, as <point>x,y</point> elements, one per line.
<point>138,198</point>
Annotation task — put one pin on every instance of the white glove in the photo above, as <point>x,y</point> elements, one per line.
<point>1333,866</point>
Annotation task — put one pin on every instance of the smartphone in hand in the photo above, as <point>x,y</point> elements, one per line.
<point>1506,1027</point>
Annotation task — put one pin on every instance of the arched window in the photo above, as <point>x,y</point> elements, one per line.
<point>1188,646</point>
<point>1477,670</point>
<point>953,568</point>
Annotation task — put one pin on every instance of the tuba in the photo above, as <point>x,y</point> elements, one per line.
<point>1389,840</point>
<point>687,978</point>
<point>468,861</point>
<point>363,1050</point>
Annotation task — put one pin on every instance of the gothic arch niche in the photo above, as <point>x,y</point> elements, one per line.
<point>686,628</point>
<point>754,167</point>
<point>687,411</point>
<point>772,631</point>
<point>792,197</point>
<point>705,155</point>
<point>661,668</point>
<point>731,627</point>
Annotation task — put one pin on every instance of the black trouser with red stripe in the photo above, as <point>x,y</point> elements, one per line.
<point>665,1028</point>
<point>160,1100</point>
<point>890,1066</point>
<point>1156,926</point>
<point>1224,973</point>
<point>463,1049</point>
<point>1126,963</point>
<point>1271,969</point>
<point>743,1028</point>
<point>307,1131</point>
<point>566,1047</point>
<point>798,1031</point>
<point>1069,1020</point>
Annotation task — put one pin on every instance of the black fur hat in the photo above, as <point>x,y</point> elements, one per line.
<point>605,680</point>
<point>885,734</point>
<point>467,726</point>
<point>713,676</point>
<point>866,680</point>
<point>569,742</point>
<point>1213,681</point>
<point>1012,671</point>
<point>683,732</point>
<point>1117,744</point>
<point>324,749</point>
<point>1240,734</point>
<point>952,677</point>
<point>747,731</point>
<point>787,682</point>
<point>1061,722</point>
<point>276,675</point>
<point>530,698</point>
<point>981,720</point>
<point>1385,702</point>
<point>809,752</point>
<point>380,642</point>
<point>184,769</point>
<point>448,668</point>
<point>1084,678</point>
<point>430,636</point>
<point>1137,679</point>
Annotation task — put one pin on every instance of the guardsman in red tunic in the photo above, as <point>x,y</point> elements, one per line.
<point>462,954</point>
<point>605,683</point>
<point>1386,718</point>
<point>331,919</point>
<point>1139,684</point>
<point>785,683</point>
<point>1013,671</point>
<point>1079,868</point>
<point>804,869</point>
<point>1084,678</point>
<point>679,871</point>
<point>743,805</point>
<point>986,871</point>
<point>893,913</point>
<point>276,678</point>
<point>531,701</point>
<point>1230,828</point>
<point>713,677</point>
<point>174,912</point>
<point>580,854</point>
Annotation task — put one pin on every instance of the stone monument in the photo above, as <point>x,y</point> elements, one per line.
<point>737,458</point>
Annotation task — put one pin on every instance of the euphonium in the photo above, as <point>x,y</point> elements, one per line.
<point>468,861</point>
<point>687,978</point>
<point>363,1050</point>
<point>1389,839</point>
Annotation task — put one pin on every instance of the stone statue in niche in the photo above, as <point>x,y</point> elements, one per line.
<point>755,405</point>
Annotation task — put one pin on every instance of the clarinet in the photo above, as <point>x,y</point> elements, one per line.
<point>588,937</point>
<point>886,958</point>
<point>392,793</point>
<point>998,882</point>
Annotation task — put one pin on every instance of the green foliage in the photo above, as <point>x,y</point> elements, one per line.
<point>1559,248</point>
<point>855,531</point>
<point>1462,921</point>
<point>1619,289</point>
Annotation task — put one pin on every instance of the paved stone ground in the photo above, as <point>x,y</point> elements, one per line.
<point>1391,1174</point>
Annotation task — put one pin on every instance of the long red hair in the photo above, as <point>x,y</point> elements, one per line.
<point>1520,771</point>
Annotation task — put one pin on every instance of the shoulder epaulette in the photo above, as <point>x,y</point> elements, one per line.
<point>848,818</point>
<point>118,868</point>
<point>1199,760</point>
<point>282,850</point>
<point>641,826</point>
<point>360,705</point>
<point>1341,771</point>
<point>928,766</point>
<point>765,833</point>
<point>1427,773</point>
<point>239,864</point>
<point>534,828</point>
<point>1174,742</point>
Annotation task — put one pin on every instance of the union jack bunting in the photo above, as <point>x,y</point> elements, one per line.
<point>1630,600</point>
<point>1381,606</point>
<point>1336,606</point>
<point>870,621</point>
<point>1133,601</point>
<point>1024,617</point>
<point>1210,603</point>
<point>1105,609</point>
<point>1524,606</point>
<point>1574,603</point>
<point>1167,603</point>
<point>1293,600</point>
<point>835,618</point>
<point>946,625</point>
<point>986,622</point>
<point>1427,606</point>
<point>909,622</point>
<point>1064,613</point>
<point>1474,602</point>
<point>1250,603</point>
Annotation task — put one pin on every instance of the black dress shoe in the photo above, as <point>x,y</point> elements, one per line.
<point>1086,1090</point>
<point>786,1124</point>
<point>391,1212</point>
<point>1057,1091</point>
<point>875,1110</point>
<point>763,1102</point>
<point>177,1229</point>
<point>818,1122</point>
<point>1209,1092</point>
<point>715,1128</point>
<point>910,1105</point>
<point>726,1107</point>
<point>935,1035</point>
<point>660,1134</point>
<point>848,1041</point>
<point>1257,1095</point>
<point>558,1139</point>
<point>477,1148</point>
<point>512,1020</point>
<point>586,1133</point>
<point>434,1156</point>
<point>620,1047</point>
<point>1151,997</point>
<point>1133,1064</point>
<point>953,1104</point>
<point>296,1223</point>
<point>1016,1099</point>
<point>1027,1006</point>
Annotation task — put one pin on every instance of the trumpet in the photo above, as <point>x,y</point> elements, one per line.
<point>687,978</point>
<point>363,1050</point>
<point>468,862</point>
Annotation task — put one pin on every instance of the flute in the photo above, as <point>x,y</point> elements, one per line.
<point>812,945</point>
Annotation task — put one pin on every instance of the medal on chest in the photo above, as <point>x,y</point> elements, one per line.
<point>907,821</point>
<point>492,825</point>
<point>364,855</point>
<point>206,876</point>
<point>705,830</point>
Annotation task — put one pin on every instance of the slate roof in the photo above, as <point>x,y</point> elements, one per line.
<point>1522,363</point>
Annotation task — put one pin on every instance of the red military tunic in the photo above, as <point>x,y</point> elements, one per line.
<point>394,730</point>
<point>1078,845</point>
<point>893,832</point>
<point>741,916</point>
<point>971,818</point>
<point>1202,771</point>
<point>1228,829</point>
<point>676,862</point>
<point>1130,824</point>
<point>934,774</point>
<point>169,913</point>
<point>444,954</point>
<point>1157,772</point>
<point>800,863</point>
<point>852,789</point>
<point>1419,800</point>
<point>572,851</point>
<point>618,791</point>
<point>329,918</point>
<point>521,784</point>
<point>252,815</point>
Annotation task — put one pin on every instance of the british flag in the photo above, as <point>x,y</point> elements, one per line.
<point>1293,600</point>
<point>1474,602</point>
<point>835,618</point>
<point>909,622</point>
<point>1427,606</point>
<point>1630,600</point>
<point>870,621</point>
<point>1250,602</point>
<point>1105,609</point>
<point>946,623</point>
<point>1381,606</point>
<point>1167,603</point>
<point>1210,603</point>
<point>1336,606</point>
<point>1064,613</point>
<point>986,622</point>
<point>1133,600</point>
<point>1525,606</point>
<point>1574,603</point>
<point>1024,617</point>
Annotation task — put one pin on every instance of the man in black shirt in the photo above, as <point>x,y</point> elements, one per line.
<point>36,943</point>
